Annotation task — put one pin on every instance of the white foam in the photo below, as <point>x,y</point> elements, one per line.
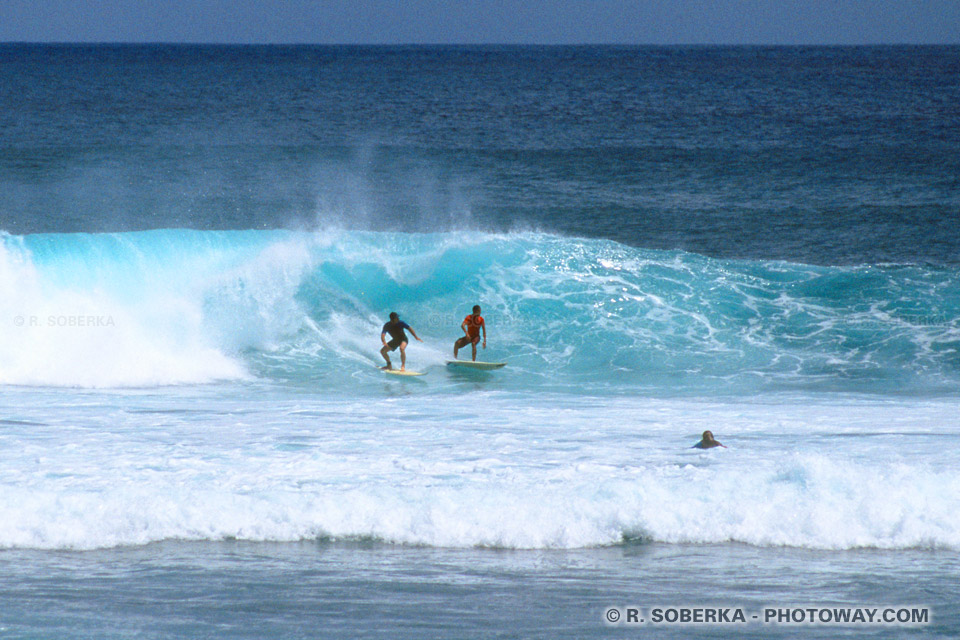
<point>487,471</point>
<point>146,322</point>
<point>809,503</point>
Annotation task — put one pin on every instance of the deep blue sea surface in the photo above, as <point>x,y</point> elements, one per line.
<point>200,244</point>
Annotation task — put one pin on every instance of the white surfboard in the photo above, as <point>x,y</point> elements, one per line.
<point>469,364</point>
<point>407,372</point>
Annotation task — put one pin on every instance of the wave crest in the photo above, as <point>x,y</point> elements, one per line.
<point>195,306</point>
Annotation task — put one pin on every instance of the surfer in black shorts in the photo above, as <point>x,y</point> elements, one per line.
<point>397,339</point>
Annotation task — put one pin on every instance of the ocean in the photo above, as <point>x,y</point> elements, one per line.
<point>199,246</point>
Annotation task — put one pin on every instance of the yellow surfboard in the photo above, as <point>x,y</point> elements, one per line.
<point>407,372</point>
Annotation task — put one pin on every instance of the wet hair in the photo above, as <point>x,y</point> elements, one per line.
<point>476,308</point>
<point>394,316</point>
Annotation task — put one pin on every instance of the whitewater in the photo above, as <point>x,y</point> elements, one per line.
<point>217,386</point>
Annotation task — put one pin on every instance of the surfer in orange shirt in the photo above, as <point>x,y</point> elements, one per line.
<point>471,326</point>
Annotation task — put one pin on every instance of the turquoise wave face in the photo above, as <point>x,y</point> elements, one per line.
<point>178,306</point>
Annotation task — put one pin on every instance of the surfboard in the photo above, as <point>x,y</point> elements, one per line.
<point>408,372</point>
<point>469,364</point>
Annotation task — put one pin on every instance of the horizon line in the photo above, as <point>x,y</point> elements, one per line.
<point>468,44</point>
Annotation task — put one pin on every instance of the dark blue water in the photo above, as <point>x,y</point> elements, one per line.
<point>820,155</point>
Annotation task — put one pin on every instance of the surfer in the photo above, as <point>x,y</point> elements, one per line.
<point>707,442</point>
<point>471,326</point>
<point>397,339</point>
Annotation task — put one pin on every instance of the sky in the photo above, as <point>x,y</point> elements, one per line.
<point>484,21</point>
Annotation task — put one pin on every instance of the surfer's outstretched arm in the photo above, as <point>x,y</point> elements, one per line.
<point>414,333</point>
